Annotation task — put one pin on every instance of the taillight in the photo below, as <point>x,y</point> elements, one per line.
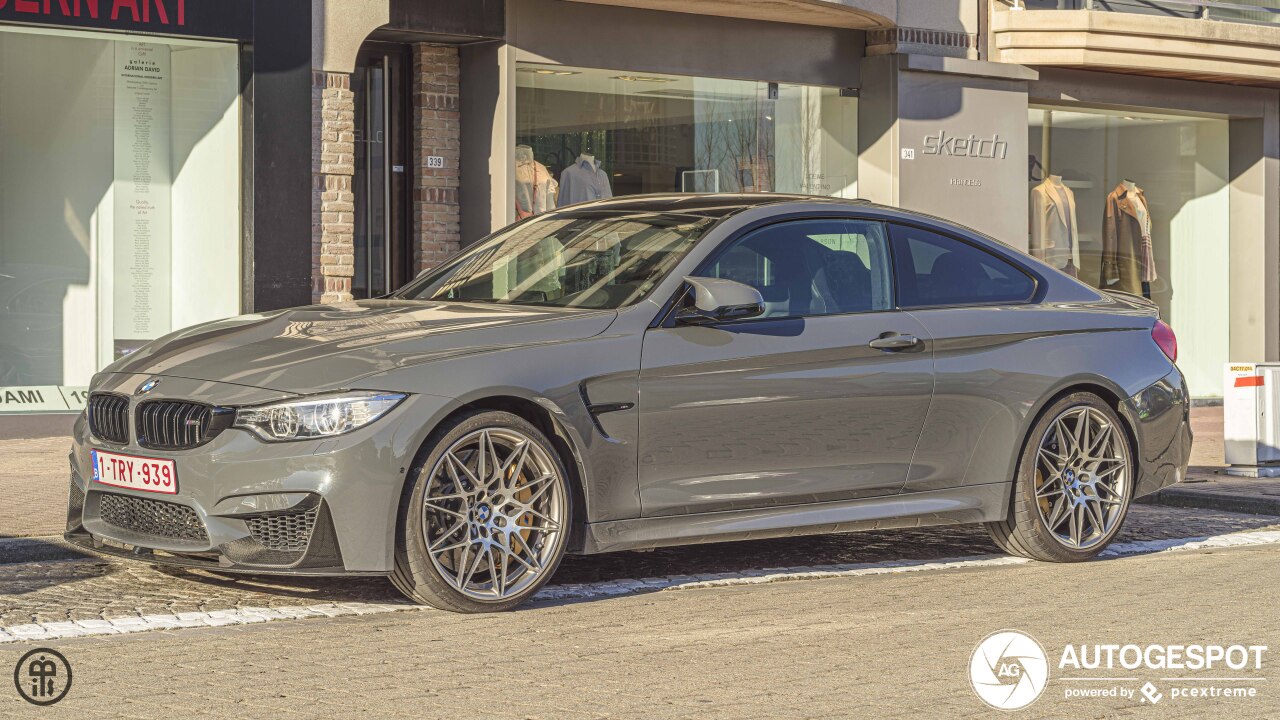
<point>1164,337</point>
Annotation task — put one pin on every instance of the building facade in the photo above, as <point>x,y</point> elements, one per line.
<point>137,137</point>
<point>1134,145</point>
<point>167,162</point>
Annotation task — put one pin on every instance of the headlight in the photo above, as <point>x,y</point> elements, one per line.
<point>317,416</point>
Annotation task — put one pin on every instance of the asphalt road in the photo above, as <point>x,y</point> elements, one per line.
<point>874,645</point>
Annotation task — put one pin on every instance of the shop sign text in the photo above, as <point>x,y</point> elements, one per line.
<point>157,12</point>
<point>42,398</point>
<point>944,143</point>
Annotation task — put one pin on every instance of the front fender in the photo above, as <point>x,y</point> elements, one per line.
<point>560,378</point>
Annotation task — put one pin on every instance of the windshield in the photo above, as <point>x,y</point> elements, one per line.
<point>578,259</point>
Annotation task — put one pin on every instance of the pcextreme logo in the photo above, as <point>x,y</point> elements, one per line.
<point>1008,670</point>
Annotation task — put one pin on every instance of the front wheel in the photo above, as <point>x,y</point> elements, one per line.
<point>1073,486</point>
<point>486,519</point>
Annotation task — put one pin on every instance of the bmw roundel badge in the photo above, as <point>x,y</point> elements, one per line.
<point>148,386</point>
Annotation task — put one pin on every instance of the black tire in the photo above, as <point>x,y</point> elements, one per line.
<point>1025,531</point>
<point>416,574</point>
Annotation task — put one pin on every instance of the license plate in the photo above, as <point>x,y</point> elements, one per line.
<point>135,473</point>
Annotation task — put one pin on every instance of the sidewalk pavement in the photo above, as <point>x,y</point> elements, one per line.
<point>33,487</point>
<point>33,482</point>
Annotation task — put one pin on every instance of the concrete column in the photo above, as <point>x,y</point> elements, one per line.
<point>488,138</point>
<point>948,137</point>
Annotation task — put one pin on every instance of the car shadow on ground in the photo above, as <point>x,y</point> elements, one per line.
<point>805,551</point>
<point>710,558</point>
<point>89,586</point>
<point>21,549</point>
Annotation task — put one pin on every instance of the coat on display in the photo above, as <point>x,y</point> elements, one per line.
<point>1127,258</point>
<point>1055,232</point>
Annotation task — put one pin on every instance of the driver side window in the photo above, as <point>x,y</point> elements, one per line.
<point>812,267</point>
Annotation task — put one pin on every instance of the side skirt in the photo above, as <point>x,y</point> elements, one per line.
<point>952,506</point>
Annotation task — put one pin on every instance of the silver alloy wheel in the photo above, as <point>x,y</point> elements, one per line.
<point>1082,477</point>
<point>493,513</point>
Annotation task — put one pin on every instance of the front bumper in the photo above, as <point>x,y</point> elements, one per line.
<point>1160,416</point>
<point>315,507</point>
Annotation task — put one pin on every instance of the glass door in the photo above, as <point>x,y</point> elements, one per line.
<point>383,253</point>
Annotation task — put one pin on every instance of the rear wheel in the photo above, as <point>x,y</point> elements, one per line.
<point>485,522</point>
<point>1073,486</point>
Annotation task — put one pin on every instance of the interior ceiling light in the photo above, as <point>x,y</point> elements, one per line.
<point>547,71</point>
<point>643,78</point>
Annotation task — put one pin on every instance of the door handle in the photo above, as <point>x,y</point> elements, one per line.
<point>893,341</point>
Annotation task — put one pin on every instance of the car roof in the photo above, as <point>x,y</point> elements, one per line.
<point>706,204</point>
<point>720,205</point>
<point>723,205</point>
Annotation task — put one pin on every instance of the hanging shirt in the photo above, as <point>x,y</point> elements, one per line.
<point>582,181</point>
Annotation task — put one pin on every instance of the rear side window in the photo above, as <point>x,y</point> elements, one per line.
<point>935,270</point>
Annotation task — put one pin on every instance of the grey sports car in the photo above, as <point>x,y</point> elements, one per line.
<point>634,373</point>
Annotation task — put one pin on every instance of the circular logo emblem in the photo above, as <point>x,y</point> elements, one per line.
<point>1008,670</point>
<point>148,386</point>
<point>42,676</point>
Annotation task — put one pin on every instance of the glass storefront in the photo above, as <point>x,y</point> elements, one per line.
<point>1139,202</point>
<point>584,134</point>
<point>119,201</point>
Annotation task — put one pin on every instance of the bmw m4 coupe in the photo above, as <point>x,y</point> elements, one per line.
<point>636,373</point>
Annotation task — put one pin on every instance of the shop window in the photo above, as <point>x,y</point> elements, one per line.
<point>812,267</point>
<point>1139,202</point>
<point>586,134</point>
<point>935,270</point>
<point>119,201</point>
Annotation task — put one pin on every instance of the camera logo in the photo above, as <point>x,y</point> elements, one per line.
<point>1008,670</point>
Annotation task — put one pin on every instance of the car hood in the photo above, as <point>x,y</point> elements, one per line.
<point>329,347</point>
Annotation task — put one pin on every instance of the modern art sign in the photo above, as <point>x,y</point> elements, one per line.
<point>207,18</point>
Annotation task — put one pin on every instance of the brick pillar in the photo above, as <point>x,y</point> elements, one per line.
<point>436,132</point>
<point>332,201</point>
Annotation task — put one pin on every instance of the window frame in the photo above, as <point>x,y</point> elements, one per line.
<point>1037,282</point>
<point>666,318</point>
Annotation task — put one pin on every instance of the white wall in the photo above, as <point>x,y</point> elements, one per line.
<point>57,146</point>
<point>206,183</point>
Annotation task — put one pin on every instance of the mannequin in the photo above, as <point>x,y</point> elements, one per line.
<point>584,180</point>
<point>1128,259</point>
<point>1055,232</point>
<point>536,189</point>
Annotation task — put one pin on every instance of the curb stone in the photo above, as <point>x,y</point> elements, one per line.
<point>1249,504</point>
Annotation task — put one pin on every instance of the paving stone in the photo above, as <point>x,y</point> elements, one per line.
<point>882,646</point>
<point>89,591</point>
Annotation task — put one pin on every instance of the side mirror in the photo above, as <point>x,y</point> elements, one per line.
<point>717,300</point>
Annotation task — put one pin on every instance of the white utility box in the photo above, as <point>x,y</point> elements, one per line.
<point>1251,419</point>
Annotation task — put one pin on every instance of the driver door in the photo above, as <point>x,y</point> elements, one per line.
<point>794,406</point>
